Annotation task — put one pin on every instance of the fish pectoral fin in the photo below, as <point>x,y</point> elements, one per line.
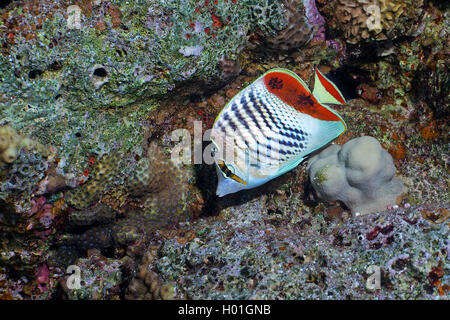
<point>326,91</point>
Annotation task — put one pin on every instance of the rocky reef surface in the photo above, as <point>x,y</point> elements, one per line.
<point>91,91</point>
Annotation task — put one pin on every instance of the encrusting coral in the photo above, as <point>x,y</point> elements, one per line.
<point>23,163</point>
<point>158,190</point>
<point>148,285</point>
<point>100,278</point>
<point>298,31</point>
<point>362,20</point>
<point>360,174</point>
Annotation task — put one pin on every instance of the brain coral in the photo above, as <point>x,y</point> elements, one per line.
<point>365,20</point>
<point>360,174</point>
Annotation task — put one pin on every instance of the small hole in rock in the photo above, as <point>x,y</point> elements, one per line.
<point>33,74</point>
<point>78,135</point>
<point>100,72</point>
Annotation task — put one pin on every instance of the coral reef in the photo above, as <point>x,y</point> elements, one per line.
<point>100,88</point>
<point>105,172</point>
<point>360,174</point>
<point>23,174</point>
<point>100,279</point>
<point>298,31</point>
<point>147,284</point>
<point>11,143</point>
<point>250,252</point>
<point>23,164</point>
<point>157,187</point>
<point>362,20</point>
<point>61,82</point>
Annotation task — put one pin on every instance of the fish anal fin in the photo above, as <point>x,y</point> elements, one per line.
<point>325,132</point>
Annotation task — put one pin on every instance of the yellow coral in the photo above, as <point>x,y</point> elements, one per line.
<point>372,19</point>
<point>11,142</point>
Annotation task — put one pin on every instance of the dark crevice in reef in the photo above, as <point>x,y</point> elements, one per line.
<point>5,3</point>
<point>441,5</point>
<point>33,74</point>
<point>347,79</point>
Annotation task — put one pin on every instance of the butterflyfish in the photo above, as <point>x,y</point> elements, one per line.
<point>270,126</point>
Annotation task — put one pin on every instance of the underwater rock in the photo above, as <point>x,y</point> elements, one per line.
<point>360,174</point>
<point>23,164</point>
<point>21,178</point>
<point>87,87</point>
<point>99,213</point>
<point>369,93</point>
<point>247,254</point>
<point>364,21</point>
<point>100,278</point>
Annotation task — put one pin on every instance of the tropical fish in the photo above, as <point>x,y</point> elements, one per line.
<point>270,127</point>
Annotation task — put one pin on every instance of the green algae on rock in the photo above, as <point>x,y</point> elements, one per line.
<point>86,91</point>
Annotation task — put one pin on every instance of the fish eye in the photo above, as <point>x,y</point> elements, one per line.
<point>213,151</point>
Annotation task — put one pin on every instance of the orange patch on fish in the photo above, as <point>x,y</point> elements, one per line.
<point>293,93</point>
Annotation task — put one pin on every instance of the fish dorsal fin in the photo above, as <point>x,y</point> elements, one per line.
<point>326,91</point>
<point>287,86</point>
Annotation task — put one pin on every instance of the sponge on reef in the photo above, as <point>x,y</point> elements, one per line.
<point>360,174</point>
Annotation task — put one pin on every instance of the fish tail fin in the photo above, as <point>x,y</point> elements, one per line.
<point>326,91</point>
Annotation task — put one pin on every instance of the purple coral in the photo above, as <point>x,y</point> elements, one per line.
<point>36,205</point>
<point>313,15</point>
<point>42,277</point>
<point>315,19</point>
